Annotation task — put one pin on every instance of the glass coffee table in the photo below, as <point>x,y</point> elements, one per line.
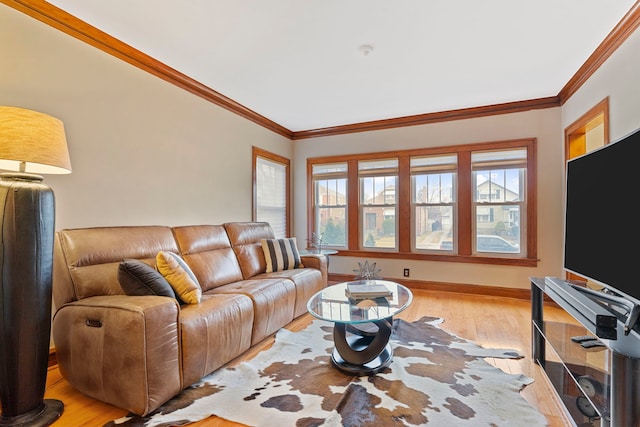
<point>362,327</point>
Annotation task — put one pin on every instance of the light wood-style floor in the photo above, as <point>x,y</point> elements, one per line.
<point>489,321</point>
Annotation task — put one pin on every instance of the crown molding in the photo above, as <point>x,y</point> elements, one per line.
<point>442,116</point>
<point>627,25</point>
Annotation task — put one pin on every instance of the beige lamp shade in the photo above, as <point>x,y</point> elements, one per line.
<point>32,142</point>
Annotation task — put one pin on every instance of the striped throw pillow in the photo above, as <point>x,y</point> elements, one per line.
<point>281,254</point>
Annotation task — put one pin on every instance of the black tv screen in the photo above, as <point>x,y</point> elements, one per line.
<point>602,221</point>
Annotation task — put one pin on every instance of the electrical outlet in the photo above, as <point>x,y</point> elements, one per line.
<point>406,272</point>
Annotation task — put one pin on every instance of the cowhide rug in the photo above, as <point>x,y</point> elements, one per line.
<point>435,379</point>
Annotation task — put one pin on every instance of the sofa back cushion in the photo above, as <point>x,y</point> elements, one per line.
<point>86,260</point>
<point>207,250</point>
<point>245,240</point>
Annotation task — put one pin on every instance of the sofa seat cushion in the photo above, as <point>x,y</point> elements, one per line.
<point>273,303</point>
<point>319,262</point>
<point>214,332</point>
<point>308,281</point>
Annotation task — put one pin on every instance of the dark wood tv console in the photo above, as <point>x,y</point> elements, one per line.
<point>599,386</point>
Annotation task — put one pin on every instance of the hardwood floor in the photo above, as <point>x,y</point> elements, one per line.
<point>489,321</point>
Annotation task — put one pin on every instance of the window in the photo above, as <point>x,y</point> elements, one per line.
<point>378,202</point>
<point>499,199</point>
<point>433,201</point>
<point>462,203</point>
<point>330,203</point>
<point>271,191</point>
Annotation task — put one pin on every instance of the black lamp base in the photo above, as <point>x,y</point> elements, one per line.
<point>27,218</point>
<point>43,417</point>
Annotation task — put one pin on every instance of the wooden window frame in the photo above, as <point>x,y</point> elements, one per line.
<point>255,154</point>
<point>464,218</point>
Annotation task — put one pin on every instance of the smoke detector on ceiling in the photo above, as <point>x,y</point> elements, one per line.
<point>366,49</point>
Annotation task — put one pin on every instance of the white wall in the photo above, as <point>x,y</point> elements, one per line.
<point>143,151</point>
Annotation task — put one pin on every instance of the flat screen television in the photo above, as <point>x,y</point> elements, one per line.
<point>602,221</point>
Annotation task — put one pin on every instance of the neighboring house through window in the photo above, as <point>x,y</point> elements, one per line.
<point>378,202</point>
<point>433,196</point>
<point>329,205</point>
<point>499,178</point>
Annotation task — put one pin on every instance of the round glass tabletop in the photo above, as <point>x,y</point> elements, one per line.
<point>316,252</point>
<point>333,304</point>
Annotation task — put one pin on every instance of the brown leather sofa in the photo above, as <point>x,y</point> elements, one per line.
<point>137,352</point>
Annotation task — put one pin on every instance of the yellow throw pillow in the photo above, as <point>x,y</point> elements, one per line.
<point>180,277</point>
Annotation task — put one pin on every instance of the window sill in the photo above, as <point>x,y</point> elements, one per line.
<point>472,259</point>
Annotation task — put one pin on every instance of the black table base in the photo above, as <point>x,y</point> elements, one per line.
<point>360,349</point>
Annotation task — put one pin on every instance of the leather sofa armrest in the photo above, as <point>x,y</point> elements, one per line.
<point>318,262</point>
<point>124,350</point>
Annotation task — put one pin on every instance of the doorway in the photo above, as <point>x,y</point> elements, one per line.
<point>588,133</point>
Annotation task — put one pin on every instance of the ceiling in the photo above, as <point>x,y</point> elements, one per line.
<point>300,63</point>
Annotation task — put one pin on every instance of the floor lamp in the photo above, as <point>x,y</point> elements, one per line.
<point>30,143</point>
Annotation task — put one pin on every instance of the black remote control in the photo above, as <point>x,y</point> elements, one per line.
<point>592,343</point>
<point>583,338</point>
